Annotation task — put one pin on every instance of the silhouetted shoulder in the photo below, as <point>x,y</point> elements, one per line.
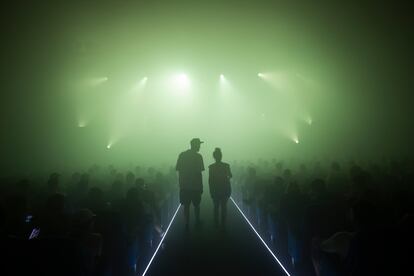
<point>221,164</point>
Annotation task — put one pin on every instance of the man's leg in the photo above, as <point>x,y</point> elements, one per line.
<point>197,213</point>
<point>185,200</point>
<point>196,201</point>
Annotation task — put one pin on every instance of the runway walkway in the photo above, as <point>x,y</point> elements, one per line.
<point>210,251</point>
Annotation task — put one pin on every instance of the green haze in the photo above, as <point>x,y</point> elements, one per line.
<point>337,79</point>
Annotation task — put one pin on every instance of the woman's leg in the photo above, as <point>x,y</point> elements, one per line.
<point>187,216</point>
<point>216,211</point>
<point>223,211</point>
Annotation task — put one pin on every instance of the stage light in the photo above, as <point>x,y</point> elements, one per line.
<point>279,80</point>
<point>161,241</point>
<point>143,81</point>
<point>109,146</point>
<point>182,81</point>
<point>261,239</point>
<point>294,138</point>
<point>140,85</point>
<point>222,78</point>
<point>97,81</point>
<point>82,124</point>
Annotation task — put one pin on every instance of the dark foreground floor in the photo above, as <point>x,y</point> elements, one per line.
<point>209,251</point>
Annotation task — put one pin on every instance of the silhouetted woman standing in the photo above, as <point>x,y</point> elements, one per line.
<point>220,190</point>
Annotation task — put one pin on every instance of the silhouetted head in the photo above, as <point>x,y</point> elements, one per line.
<point>23,187</point>
<point>195,144</point>
<point>278,181</point>
<point>76,177</point>
<point>279,166</point>
<point>317,188</point>
<point>361,182</point>
<point>119,176</point>
<point>132,194</point>
<point>335,166</point>
<point>55,203</point>
<point>54,177</point>
<point>292,188</point>
<point>117,185</point>
<point>85,178</point>
<point>140,183</point>
<point>317,167</point>
<point>252,171</point>
<point>95,194</point>
<point>217,155</point>
<point>159,176</point>
<point>363,214</point>
<point>354,170</point>
<point>15,205</point>
<point>83,221</point>
<point>287,173</point>
<point>53,183</point>
<point>151,171</point>
<point>130,177</point>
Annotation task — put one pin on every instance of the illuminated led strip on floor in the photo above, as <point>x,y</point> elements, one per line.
<point>274,256</point>
<point>162,239</point>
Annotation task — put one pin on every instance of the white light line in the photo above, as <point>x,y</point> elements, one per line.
<point>274,256</point>
<point>162,239</point>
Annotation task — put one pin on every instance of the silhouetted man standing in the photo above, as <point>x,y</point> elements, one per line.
<point>189,166</point>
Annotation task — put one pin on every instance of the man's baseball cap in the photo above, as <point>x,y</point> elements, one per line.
<point>196,141</point>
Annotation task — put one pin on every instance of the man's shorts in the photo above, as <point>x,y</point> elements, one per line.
<point>188,196</point>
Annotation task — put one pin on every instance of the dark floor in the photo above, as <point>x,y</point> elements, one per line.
<point>209,251</point>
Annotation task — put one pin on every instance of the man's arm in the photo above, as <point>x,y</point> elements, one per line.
<point>179,165</point>
<point>210,179</point>
<point>202,163</point>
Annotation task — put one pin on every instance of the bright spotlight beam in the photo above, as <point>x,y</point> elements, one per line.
<point>267,247</point>
<point>162,239</point>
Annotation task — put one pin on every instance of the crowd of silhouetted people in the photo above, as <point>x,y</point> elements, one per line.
<point>319,218</point>
<point>100,222</point>
<point>332,218</point>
